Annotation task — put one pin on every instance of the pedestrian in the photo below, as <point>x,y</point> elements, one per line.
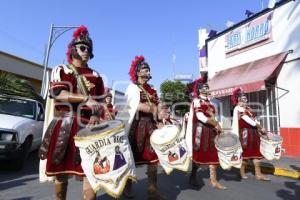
<point>75,89</point>
<point>204,129</point>
<point>249,130</point>
<point>109,110</point>
<point>143,101</point>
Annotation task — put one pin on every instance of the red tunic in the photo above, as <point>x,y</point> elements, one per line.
<point>109,112</point>
<point>68,82</point>
<point>141,129</point>
<point>249,136</point>
<point>205,152</point>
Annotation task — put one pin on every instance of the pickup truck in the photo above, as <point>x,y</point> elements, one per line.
<point>21,128</point>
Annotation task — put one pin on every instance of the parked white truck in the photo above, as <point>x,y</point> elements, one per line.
<point>21,128</point>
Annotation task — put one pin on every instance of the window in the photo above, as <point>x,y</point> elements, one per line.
<point>264,104</point>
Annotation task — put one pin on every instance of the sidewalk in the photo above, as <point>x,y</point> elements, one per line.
<point>285,166</point>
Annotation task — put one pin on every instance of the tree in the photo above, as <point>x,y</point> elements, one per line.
<point>13,85</point>
<point>174,94</point>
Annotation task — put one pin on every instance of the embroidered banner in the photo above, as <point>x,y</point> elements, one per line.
<point>107,159</point>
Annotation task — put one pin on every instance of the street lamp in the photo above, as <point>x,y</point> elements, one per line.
<point>55,32</point>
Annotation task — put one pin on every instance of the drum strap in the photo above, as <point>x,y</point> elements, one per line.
<point>111,117</point>
<point>146,93</point>
<point>82,86</point>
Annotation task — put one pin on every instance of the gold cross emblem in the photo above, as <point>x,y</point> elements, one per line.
<point>88,84</point>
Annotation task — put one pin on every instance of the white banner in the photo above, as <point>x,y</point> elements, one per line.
<point>107,160</point>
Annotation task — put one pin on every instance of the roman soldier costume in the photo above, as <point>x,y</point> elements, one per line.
<point>69,113</point>
<point>246,126</point>
<point>109,110</point>
<point>204,128</point>
<point>142,100</point>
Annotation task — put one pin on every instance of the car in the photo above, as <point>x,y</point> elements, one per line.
<point>21,128</point>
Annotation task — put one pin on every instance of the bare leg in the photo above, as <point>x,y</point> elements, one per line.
<point>213,178</point>
<point>243,170</point>
<point>88,192</point>
<point>61,187</point>
<point>258,174</point>
<point>152,184</point>
<point>193,177</point>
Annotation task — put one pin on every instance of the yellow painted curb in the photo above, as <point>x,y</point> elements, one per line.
<point>277,171</point>
<point>287,173</point>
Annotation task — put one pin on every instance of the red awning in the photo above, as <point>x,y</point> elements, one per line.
<point>250,77</point>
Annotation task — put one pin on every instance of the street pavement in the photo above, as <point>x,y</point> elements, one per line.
<point>24,185</point>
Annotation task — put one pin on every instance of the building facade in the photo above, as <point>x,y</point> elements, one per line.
<point>22,68</point>
<point>261,55</point>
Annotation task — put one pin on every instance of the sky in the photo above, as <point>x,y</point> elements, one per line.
<point>120,29</point>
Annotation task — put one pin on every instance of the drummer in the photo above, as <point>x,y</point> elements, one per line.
<point>109,110</point>
<point>143,102</point>
<point>164,115</point>
<point>246,126</point>
<point>76,105</point>
<point>202,115</point>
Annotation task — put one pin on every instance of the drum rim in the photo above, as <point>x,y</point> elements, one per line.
<point>234,147</point>
<point>105,133</point>
<point>151,140</point>
<point>270,140</point>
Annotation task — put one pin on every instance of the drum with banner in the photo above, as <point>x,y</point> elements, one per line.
<point>229,150</point>
<point>270,146</point>
<point>107,159</point>
<point>170,146</point>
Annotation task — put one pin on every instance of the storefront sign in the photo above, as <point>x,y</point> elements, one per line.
<point>258,31</point>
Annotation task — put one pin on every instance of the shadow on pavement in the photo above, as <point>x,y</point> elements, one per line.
<point>293,193</point>
<point>11,178</point>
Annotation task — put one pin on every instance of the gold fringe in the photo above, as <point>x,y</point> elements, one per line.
<point>115,195</point>
<point>64,172</point>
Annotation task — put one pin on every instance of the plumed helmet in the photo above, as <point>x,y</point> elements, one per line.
<point>136,65</point>
<point>236,95</point>
<point>199,84</point>
<point>80,36</point>
<point>108,95</point>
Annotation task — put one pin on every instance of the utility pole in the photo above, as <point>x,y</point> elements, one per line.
<point>55,32</point>
<point>173,63</point>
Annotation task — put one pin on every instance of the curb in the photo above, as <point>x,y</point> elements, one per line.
<point>277,171</point>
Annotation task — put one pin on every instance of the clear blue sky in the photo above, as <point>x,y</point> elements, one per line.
<point>120,29</point>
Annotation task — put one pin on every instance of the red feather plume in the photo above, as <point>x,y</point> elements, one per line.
<point>235,95</point>
<point>82,30</point>
<point>201,80</point>
<point>134,63</point>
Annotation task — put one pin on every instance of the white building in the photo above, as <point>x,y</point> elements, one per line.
<point>261,54</point>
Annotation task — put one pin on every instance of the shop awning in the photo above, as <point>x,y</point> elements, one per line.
<point>251,77</point>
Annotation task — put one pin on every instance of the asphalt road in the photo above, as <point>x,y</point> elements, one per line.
<point>24,185</point>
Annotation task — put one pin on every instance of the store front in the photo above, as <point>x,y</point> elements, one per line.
<point>261,55</point>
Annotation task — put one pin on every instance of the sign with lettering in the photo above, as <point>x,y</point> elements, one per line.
<point>107,160</point>
<point>257,31</point>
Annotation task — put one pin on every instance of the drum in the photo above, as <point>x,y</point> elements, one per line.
<point>107,159</point>
<point>270,146</point>
<point>170,146</point>
<point>229,150</point>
